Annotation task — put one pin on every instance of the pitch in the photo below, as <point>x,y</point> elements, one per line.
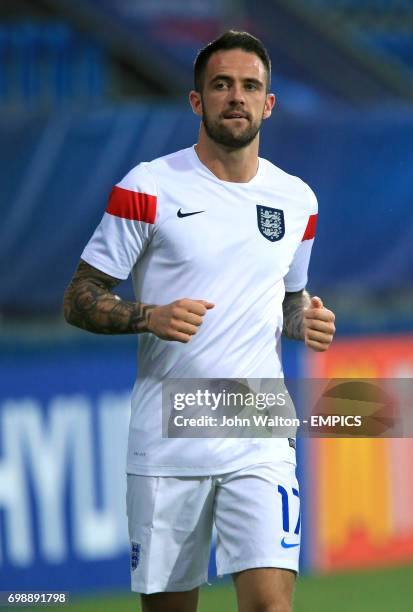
<point>363,591</point>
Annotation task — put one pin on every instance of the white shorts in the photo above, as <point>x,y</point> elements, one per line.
<point>256,512</point>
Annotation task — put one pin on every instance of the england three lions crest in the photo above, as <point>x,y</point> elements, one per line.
<point>270,222</point>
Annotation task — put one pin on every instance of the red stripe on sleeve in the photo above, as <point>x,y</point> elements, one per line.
<point>310,229</point>
<point>132,205</point>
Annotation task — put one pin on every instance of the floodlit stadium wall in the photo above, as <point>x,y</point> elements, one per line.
<point>64,411</point>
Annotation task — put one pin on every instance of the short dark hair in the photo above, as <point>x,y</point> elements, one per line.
<point>226,42</point>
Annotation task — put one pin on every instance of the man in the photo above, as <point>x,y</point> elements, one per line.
<point>214,236</point>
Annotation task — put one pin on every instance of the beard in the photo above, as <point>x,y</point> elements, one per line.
<point>224,136</point>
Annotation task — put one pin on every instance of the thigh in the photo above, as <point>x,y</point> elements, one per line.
<point>170,525</point>
<point>265,589</point>
<point>257,517</point>
<point>186,601</point>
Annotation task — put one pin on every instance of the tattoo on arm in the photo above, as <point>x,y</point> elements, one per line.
<point>293,307</point>
<point>90,304</point>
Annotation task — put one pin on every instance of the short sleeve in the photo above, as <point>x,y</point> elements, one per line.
<point>297,275</point>
<point>127,225</point>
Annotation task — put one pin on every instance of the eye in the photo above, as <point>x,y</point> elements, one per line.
<point>221,85</point>
<point>251,86</point>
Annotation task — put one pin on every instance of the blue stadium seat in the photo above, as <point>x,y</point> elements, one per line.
<point>45,64</point>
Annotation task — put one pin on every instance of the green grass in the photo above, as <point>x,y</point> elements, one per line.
<point>369,591</point>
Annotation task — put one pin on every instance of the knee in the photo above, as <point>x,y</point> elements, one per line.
<point>271,606</point>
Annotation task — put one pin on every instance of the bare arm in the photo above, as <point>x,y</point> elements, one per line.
<point>294,305</point>
<point>90,304</point>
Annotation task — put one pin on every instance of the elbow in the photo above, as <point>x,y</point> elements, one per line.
<point>67,308</point>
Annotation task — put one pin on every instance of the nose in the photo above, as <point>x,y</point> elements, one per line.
<point>237,94</point>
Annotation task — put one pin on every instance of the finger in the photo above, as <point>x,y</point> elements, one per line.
<point>317,346</point>
<point>179,337</point>
<point>186,311</point>
<point>320,314</point>
<point>198,307</point>
<point>208,305</point>
<point>319,336</point>
<point>316,302</point>
<point>322,326</point>
<point>195,308</point>
<point>193,319</point>
<point>183,327</point>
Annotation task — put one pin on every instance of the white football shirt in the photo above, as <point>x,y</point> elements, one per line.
<point>246,245</point>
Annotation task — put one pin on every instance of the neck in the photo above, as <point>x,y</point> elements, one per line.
<point>234,165</point>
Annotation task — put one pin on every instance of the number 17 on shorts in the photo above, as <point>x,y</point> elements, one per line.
<point>291,537</point>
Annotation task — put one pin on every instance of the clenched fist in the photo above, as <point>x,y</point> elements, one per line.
<point>179,320</point>
<point>319,328</point>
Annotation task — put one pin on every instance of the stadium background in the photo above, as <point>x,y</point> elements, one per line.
<point>88,90</point>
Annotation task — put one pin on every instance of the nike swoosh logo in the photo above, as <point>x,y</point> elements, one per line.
<point>181,215</point>
<point>285,544</point>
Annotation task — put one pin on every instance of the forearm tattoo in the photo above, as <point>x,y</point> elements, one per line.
<point>89,304</point>
<point>293,307</point>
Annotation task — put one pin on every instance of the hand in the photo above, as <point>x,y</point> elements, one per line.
<point>178,321</point>
<point>319,328</point>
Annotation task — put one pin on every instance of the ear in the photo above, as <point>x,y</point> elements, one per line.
<point>195,102</point>
<point>268,106</point>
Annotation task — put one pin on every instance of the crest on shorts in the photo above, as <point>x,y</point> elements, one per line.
<point>270,222</point>
<point>135,555</point>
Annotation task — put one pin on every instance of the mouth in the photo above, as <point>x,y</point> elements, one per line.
<point>235,118</point>
<point>235,115</point>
